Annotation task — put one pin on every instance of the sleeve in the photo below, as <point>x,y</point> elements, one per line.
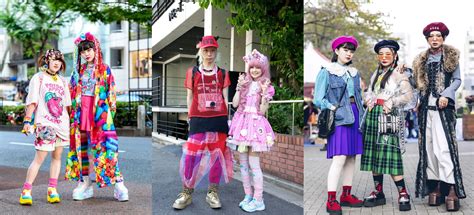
<point>33,90</point>
<point>226,80</point>
<point>112,94</point>
<point>320,88</point>
<point>405,91</point>
<point>270,92</point>
<point>188,82</point>
<point>67,94</point>
<point>450,92</point>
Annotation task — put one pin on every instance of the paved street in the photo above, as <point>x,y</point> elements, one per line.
<point>17,151</point>
<point>316,169</point>
<point>167,185</point>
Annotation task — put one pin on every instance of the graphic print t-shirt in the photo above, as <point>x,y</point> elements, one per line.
<point>52,98</point>
<point>208,100</point>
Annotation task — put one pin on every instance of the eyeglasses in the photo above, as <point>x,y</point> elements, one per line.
<point>385,55</point>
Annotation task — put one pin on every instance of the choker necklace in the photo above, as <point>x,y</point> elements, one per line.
<point>54,76</point>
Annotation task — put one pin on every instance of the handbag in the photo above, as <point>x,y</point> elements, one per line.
<point>326,124</point>
<point>388,123</point>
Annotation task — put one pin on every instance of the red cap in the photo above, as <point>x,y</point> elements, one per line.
<point>208,41</point>
<point>436,26</point>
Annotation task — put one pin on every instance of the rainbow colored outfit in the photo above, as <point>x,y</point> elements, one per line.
<point>103,139</point>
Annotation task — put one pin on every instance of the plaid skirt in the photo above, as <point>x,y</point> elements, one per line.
<point>382,154</point>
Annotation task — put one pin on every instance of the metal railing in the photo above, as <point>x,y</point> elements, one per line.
<point>168,121</point>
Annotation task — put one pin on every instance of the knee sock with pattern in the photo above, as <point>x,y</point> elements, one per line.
<point>257,177</point>
<point>244,171</point>
<point>378,182</point>
<point>400,185</point>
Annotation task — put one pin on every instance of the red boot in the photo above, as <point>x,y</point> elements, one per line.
<point>333,207</point>
<point>349,200</point>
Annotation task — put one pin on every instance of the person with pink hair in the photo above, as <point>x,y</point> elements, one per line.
<point>250,131</point>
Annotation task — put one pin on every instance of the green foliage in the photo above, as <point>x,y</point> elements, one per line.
<point>333,18</point>
<point>107,12</point>
<point>34,24</point>
<point>16,111</point>
<point>280,117</point>
<point>279,25</point>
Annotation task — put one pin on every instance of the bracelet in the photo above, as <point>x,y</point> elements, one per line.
<point>26,122</point>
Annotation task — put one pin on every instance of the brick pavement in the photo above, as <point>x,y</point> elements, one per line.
<point>315,183</point>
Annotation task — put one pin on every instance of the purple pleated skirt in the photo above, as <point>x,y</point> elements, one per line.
<point>346,139</point>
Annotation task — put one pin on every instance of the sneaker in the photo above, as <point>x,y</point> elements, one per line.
<point>212,198</point>
<point>84,190</point>
<point>253,206</point>
<point>53,196</point>
<point>25,197</point>
<point>351,201</point>
<point>121,192</point>
<point>247,199</point>
<point>184,199</point>
<point>375,199</point>
<point>333,207</point>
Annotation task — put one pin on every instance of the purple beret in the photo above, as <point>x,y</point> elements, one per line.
<point>436,26</point>
<point>344,39</point>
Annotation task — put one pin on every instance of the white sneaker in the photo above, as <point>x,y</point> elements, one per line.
<point>247,199</point>
<point>84,190</point>
<point>253,206</point>
<point>121,192</point>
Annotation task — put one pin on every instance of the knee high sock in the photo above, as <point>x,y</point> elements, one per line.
<point>257,177</point>
<point>335,172</point>
<point>244,171</point>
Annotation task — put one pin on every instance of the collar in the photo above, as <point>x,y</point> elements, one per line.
<point>203,71</point>
<point>339,70</point>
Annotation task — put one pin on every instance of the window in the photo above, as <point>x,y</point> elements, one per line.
<point>116,58</point>
<point>138,32</point>
<point>116,27</point>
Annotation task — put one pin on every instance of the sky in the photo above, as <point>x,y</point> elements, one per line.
<point>411,16</point>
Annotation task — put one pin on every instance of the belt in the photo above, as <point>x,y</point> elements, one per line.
<point>432,108</point>
<point>379,102</point>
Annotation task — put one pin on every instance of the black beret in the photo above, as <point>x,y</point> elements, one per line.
<point>386,44</point>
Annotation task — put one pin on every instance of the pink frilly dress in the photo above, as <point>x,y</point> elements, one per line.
<point>249,127</point>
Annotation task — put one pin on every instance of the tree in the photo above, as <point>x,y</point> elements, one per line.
<point>35,23</point>
<point>333,18</point>
<point>279,25</point>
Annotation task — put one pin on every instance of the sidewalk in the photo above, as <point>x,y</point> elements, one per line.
<point>316,169</point>
<point>167,185</point>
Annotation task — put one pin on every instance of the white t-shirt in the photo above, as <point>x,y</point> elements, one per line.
<point>52,98</point>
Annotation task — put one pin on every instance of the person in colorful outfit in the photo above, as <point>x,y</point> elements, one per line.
<point>437,76</point>
<point>205,151</point>
<point>336,80</point>
<point>93,136</point>
<point>389,91</point>
<point>250,130</point>
<point>48,99</point>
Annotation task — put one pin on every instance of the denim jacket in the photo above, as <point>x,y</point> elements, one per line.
<point>325,97</point>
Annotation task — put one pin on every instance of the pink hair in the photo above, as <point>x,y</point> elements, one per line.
<point>254,59</point>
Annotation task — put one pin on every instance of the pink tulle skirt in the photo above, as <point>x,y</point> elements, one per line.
<point>206,154</point>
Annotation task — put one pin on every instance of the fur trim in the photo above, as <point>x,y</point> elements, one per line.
<point>450,62</point>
